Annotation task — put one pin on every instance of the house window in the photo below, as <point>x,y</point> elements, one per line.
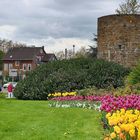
<point>17,63</point>
<point>24,66</point>
<point>29,67</point>
<point>5,67</point>
<point>38,58</point>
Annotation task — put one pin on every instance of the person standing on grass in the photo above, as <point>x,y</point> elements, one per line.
<point>10,90</point>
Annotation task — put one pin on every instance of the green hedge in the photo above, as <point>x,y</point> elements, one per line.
<point>69,75</point>
<point>134,76</point>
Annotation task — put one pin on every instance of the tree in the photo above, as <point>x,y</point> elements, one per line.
<point>81,53</point>
<point>64,55</point>
<point>92,51</point>
<point>1,57</point>
<point>60,55</point>
<point>129,7</point>
<point>5,44</point>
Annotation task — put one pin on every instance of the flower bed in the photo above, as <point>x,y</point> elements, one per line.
<point>79,97</point>
<point>61,94</point>
<point>79,104</point>
<point>68,98</point>
<point>124,124</point>
<point>111,103</point>
<point>121,115</point>
<point>108,102</point>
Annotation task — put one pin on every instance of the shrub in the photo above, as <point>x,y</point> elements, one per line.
<point>134,76</point>
<point>70,75</point>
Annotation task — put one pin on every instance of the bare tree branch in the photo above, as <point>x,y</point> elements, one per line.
<point>129,7</point>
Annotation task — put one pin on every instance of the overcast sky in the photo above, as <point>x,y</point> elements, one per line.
<point>56,24</point>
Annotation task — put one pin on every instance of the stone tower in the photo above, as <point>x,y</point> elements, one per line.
<point>119,39</point>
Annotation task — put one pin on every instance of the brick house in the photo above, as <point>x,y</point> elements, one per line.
<point>17,62</point>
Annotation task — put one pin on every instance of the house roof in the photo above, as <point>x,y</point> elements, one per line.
<point>49,57</point>
<point>22,53</point>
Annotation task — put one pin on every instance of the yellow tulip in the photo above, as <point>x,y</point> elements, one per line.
<point>108,115</point>
<point>132,132</point>
<point>113,135</point>
<point>117,129</point>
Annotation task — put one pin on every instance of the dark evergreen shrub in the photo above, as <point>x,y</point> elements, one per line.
<point>69,75</point>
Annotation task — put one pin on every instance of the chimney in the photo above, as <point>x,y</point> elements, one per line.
<point>73,50</point>
<point>43,47</point>
<point>66,53</point>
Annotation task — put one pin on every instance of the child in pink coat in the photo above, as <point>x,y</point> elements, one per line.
<point>10,90</point>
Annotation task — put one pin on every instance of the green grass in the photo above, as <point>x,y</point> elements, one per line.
<point>34,120</point>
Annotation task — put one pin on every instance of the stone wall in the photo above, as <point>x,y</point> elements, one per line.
<point>119,39</point>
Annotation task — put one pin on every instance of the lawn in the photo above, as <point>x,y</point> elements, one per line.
<point>34,120</point>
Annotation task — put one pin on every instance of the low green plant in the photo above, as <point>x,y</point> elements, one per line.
<point>87,91</point>
<point>95,91</point>
<point>136,88</point>
<point>122,91</point>
<point>127,90</point>
<point>2,95</point>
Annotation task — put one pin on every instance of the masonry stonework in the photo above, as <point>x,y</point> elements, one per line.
<point>119,39</point>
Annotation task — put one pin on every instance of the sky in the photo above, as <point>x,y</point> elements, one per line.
<point>55,24</point>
